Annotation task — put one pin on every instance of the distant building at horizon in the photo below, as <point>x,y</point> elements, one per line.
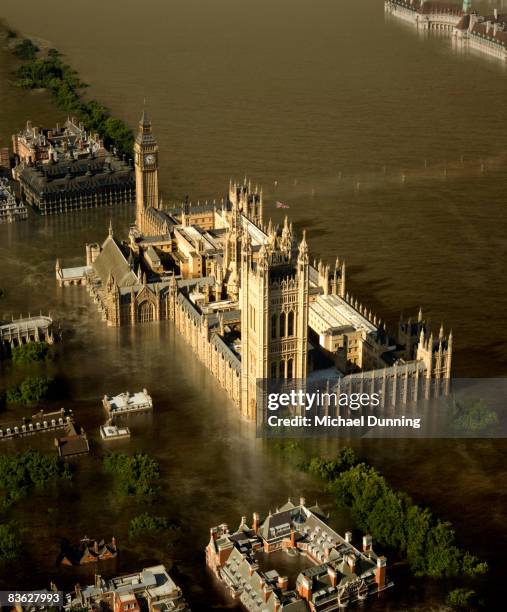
<point>484,33</point>
<point>428,14</point>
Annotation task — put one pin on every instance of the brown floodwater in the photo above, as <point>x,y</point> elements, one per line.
<point>387,145</point>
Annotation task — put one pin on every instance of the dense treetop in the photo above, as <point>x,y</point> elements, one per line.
<point>392,518</point>
<point>63,82</point>
<point>134,474</point>
<point>29,353</point>
<point>32,390</point>
<point>21,473</point>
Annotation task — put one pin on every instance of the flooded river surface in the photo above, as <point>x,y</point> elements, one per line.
<point>389,148</point>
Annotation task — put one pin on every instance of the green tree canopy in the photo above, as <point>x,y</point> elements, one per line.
<point>31,352</point>
<point>26,49</point>
<point>147,525</point>
<point>329,469</point>
<point>10,542</point>
<point>392,518</point>
<point>472,417</point>
<point>65,85</point>
<point>31,390</point>
<point>21,473</point>
<point>461,598</point>
<point>134,474</point>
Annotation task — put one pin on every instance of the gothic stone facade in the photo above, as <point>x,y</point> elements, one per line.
<point>244,294</point>
<point>10,210</point>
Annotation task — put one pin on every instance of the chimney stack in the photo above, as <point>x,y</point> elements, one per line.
<point>266,591</point>
<point>283,583</point>
<point>348,537</point>
<point>253,567</point>
<point>256,522</point>
<point>333,579</point>
<point>306,588</point>
<point>380,573</point>
<point>367,543</point>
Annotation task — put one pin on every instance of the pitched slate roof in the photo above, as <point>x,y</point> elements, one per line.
<point>112,261</point>
<point>431,7</point>
<point>144,134</point>
<point>73,445</point>
<point>83,175</point>
<point>441,7</point>
<point>481,30</point>
<point>189,308</point>
<point>226,351</point>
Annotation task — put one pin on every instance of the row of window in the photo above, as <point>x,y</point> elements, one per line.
<point>282,369</point>
<point>490,42</point>
<point>282,325</point>
<point>290,298</point>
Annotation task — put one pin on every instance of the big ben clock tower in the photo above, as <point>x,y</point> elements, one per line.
<point>146,165</point>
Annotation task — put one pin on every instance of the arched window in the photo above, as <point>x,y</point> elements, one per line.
<point>282,325</point>
<point>273,326</point>
<point>290,368</point>
<point>145,312</point>
<point>290,323</point>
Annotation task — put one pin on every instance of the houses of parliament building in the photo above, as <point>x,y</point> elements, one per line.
<point>245,296</point>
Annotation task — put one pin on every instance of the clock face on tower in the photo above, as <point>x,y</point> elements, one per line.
<point>149,159</point>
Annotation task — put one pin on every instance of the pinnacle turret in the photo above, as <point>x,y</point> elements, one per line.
<point>145,119</point>
<point>303,245</point>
